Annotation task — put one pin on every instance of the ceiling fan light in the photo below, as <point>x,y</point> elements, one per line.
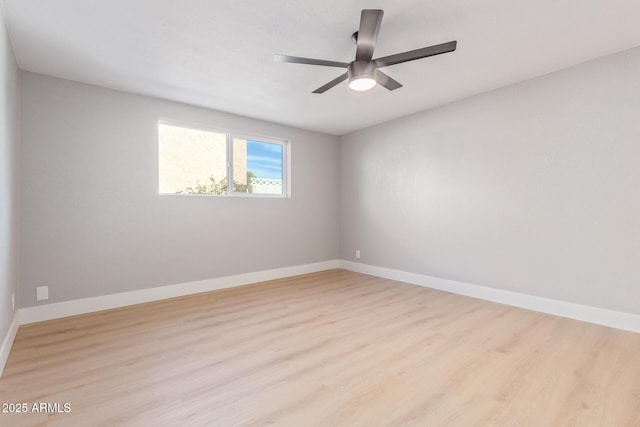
<point>362,75</point>
<point>362,83</point>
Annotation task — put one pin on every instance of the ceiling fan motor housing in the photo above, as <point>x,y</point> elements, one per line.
<point>362,69</point>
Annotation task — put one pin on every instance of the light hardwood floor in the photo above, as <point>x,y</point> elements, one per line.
<point>334,348</point>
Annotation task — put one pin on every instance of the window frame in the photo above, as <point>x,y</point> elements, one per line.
<point>230,135</point>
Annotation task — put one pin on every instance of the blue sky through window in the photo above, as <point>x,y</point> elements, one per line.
<point>264,159</point>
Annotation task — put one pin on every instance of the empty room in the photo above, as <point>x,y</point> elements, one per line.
<point>297,213</point>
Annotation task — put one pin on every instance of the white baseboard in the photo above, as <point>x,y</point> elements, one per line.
<point>87,305</point>
<point>600,316</point>
<point>7,342</point>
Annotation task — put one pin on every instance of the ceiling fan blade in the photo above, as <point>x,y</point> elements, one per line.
<point>386,81</point>
<point>309,61</point>
<point>416,54</point>
<point>370,20</point>
<point>332,83</point>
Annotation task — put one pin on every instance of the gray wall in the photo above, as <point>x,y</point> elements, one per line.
<point>534,188</point>
<point>94,224</point>
<point>9,174</point>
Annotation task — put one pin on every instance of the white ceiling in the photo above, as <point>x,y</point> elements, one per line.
<point>218,54</point>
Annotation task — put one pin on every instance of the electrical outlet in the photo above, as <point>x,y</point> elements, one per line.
<point>358,253</point>
<point>42,293</point>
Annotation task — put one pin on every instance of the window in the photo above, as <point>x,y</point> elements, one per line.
<point>196,161</point>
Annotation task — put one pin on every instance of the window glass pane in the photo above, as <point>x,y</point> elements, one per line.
<point>192,161</point>
<point>257,167</point>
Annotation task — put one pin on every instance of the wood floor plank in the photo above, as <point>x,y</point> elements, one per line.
<point>329,348</point>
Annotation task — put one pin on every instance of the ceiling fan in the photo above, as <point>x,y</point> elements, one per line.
<point>364,72</point>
